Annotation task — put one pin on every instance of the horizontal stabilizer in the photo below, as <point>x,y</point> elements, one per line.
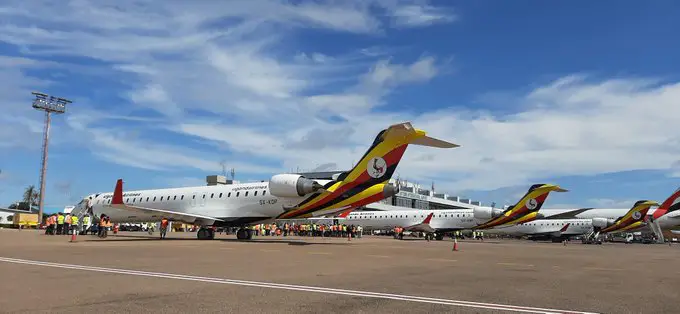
<point>433,142</point>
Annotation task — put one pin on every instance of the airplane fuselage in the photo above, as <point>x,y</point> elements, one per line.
<point>234,203</point>
<point>442,220</point>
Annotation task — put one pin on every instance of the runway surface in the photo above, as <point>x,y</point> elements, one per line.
<point>134,272</point>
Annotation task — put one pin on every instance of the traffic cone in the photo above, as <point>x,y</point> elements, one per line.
<point>73,236</point>
<point>455,244</point>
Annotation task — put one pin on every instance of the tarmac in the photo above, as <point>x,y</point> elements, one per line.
<point>136,272</point>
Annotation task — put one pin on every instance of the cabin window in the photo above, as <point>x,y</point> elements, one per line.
<point>220,195</point>
<point>154,198</point>
<point>237,194</point>
<point>193,197</point>
<point>134,200</point>
<point>181,198</point>
<point>161,198</point>
<point>127,200</point>
<point>246,193</point>
<point>203,196</point>
<point>147,198</point>
<point>255,193</point>
<point>264,193</point>
<point>212,195</point>
<point>174,198</point>
<point>229,195</point>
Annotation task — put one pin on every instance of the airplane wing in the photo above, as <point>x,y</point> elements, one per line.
<point>423,226</point>
<point>553,232</point>
<point>568,214</point>
<point>117,202</point>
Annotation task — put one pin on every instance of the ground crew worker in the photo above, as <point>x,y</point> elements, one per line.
<point>67,224</point>
<point>60,223</point>
<point>86,224</point>
<point>164,227</point>
<point>74,223</point>
<point>48,225</point>
<point>102,227</point>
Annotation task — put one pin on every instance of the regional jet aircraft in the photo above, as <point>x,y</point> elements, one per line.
<point>284,196</point>
<point>437,222</point>
<point>564,225</point>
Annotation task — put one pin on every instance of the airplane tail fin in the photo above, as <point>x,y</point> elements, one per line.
<point>117,198</point>
<point>638,211</point>
<point>381,159</point>
<point>368,181</point>
<point>526,209</point>
<point>671,204</point>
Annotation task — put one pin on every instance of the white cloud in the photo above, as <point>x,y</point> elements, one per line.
<point>421,15</point>
<point>610,203</point>
<point>232,76</point>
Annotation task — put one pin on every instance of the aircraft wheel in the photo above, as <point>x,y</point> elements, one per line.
<point>211,234</point>
<point>240,234</point>
<point>203,234</point>
<point>249,234</point>
<point>439,237</point>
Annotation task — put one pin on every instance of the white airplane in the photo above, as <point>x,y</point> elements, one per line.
<point>437,222</point>
<point>285,196</point>
<point>565,225</point>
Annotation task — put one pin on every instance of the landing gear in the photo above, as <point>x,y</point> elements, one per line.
<point>205,233</point>
<point>438,236</point>
<point>244,234</point>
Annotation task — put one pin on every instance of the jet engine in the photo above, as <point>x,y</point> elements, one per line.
<point>487,213</point>
<point>292,185</point>
<point>602,222</point>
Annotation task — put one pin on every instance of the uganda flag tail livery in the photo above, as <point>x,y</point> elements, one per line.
<point>368,181</point>
<point>526,209</point>
<point>633,219</point>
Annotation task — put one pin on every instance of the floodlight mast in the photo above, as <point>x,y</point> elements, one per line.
<point>49,104</point>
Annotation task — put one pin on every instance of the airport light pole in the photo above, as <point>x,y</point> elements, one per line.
<point>49,104</point>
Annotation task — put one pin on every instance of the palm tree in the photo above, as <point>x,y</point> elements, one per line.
<point>31,196</point>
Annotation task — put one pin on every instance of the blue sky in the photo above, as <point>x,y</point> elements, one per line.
<point>584,95</point>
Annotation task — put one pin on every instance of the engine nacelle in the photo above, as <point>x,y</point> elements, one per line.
<point>602,222</point>
<point>487,213</point>
<point>292,185</point>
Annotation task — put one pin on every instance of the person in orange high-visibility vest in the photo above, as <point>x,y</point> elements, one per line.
<point>164,227</point>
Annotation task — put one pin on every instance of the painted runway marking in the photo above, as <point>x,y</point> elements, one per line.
<point>515,264</point>
<point>441,260</point>
<point>271,285</point>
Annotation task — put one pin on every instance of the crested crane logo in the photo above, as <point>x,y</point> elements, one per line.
<point>376,167</point>
<point>531,204</point>
<point>637,215</point>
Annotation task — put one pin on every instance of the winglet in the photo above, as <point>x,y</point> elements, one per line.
<point>117,198</point>
<point>565,228</point>
<point>428,218</point>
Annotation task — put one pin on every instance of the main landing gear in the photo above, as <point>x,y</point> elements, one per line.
<point>205,233</point>
<point>434,236</point>
<point>244,234</point>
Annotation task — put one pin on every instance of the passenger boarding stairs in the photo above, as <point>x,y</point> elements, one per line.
<point>592,237</point>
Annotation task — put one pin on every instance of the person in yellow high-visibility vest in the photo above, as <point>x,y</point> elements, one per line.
<point>74,223</point>
<point>60,223</point>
